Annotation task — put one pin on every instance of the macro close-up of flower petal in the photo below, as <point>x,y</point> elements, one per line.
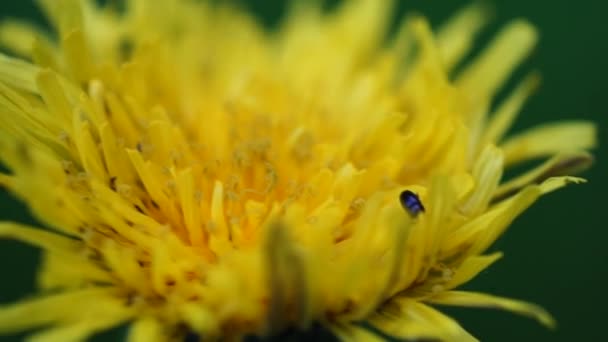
<point>195,175</point>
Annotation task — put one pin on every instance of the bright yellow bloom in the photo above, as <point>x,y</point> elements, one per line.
<point>201,175</point>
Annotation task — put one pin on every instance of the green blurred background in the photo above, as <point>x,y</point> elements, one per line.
<point>555,253</point>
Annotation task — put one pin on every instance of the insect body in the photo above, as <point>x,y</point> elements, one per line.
<point>411,202</point>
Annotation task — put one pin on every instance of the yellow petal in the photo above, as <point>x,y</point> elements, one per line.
<point>354,333</point>
<point>506,113</point>
<point>18,73</point>
<point>6,181</point>
<point>45,54</point>
<point>68,307</point>
<point>25,123</point>
<point>41,238</point>
<point>398,225</point>
<point>18,36</point>
<point>75,332</point>
<point>125,266</point>
<point>549,139</point>
<point>455,37</point>
<point>474,299</point>
<point>477,235</point>
<point>441,203</point>
<point>555,183</point>
<point>54,96</point>
<point>563,164</point>
<point>487,173</point>
<point>116,158</point>
<point>411,320</point>
<point>189,204</point>
<point>146,329</point>
<point>59,271</point>
<point>470,268</point>
<point>87,148</point>
<point>199,319</point>
<point>488,72</point>
<point>286,278</point>
<point>78,56</point>
<point>220,228</point>
<point>154,181</point>
<point>402,228</point>
<point>67,15</point>
<point>69,254</point>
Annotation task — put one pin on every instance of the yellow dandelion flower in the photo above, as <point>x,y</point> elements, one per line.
<point>199,175</point>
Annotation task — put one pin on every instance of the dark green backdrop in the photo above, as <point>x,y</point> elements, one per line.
<point>556,253</point>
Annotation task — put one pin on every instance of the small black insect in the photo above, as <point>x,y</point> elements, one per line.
<point>411,202</point>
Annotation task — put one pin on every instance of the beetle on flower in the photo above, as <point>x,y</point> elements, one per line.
<point>197,175</point>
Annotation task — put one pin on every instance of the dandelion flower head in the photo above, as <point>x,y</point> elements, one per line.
<point>199,174</point>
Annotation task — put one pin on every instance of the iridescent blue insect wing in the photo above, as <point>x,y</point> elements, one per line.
<point>411,203</point>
